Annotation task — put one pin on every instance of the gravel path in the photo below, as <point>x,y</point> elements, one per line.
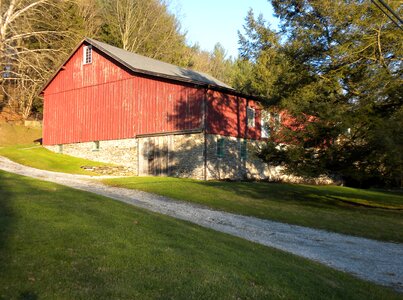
<point>376,261</point>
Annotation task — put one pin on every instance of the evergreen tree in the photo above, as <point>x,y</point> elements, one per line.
<point>338,73</point>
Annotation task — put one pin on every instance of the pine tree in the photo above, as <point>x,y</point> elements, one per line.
<point>338,72</point>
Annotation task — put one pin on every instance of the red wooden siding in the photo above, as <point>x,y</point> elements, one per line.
<point>101,101</point>
<point>76,75</point>
<point>226,115</point>
<point>104,101</point>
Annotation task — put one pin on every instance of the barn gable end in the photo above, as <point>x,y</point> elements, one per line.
<point>105,101</point>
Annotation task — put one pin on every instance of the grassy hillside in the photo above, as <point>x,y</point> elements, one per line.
<point>11,134</point>
<point>60,243</point>
<point>17,144</point>
<point>367,213</point>
<point>39,157</point>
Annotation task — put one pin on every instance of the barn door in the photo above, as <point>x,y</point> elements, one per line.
<point>151,157</point>
<point>164,157</point>
<point>158,157</point>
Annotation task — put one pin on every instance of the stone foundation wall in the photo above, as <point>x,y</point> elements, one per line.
<point>182,155</point>
<point>172,155</point>
<point>119,152</point>
<point>232,166</point>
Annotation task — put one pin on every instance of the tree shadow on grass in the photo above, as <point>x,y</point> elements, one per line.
<point>306,195</point>
<point>6,211</point>
<point>25,228</point>
<point>7,218</point>
<point>28,295</point>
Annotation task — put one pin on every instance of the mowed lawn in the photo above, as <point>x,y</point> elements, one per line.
<point>39,157</point>
<point>60,243</point>
<point>367,213</point>
<point>17,144</point>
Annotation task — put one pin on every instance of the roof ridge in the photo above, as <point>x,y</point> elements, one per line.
<point>121,49</point>
<point>155,67</point>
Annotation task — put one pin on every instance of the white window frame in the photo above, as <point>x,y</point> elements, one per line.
<point>251,119</point>
<point>87,55</point>
<point>265,124</point>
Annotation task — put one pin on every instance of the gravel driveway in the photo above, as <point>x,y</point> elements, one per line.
<point>376,261</point>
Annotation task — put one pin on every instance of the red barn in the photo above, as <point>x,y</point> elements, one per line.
<point>111,105</point>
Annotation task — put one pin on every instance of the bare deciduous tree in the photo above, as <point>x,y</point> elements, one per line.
<point>145,27</point>
<point>36,35</point>
<point>26,58</point>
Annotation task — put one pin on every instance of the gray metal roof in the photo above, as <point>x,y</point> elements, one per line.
<point>146,65</point>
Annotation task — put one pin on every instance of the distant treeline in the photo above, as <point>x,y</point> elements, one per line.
<point>37,35</point>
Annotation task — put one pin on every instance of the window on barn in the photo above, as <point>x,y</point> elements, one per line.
<point>243,149</point>
<point>251,115</point>
<point>265,121</point>
<point>60,148</point>
<point>96,146</point>
<point>87,54</point>
<point>220,147</point>
<point>277,121</point>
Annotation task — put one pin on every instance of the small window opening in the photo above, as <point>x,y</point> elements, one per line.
<point>244,149</point>
<point>265,123</point>
<point>220,147</point>
<point>251,115</point>
<point>87,58</point>
<point>277,121</point>
<point>60,148</point>
<point>96,146</point>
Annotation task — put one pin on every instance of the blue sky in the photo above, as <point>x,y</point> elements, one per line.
<point>210,21</point>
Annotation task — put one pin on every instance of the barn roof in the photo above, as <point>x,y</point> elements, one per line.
<point>152,67</point>
<point>142,64</point>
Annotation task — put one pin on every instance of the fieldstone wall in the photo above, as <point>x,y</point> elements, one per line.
<point>119,152</point>
<point>172,155</point>
<point>169,155</point>
<point>182,155</point>
<point>232,166</point>
<point>188,155</point>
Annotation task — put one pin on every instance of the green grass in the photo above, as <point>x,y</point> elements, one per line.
<point>12,134</point>
<point>39,157</point>
<point>60,243</point>
<point>367,213</point>
<point>17,144</point>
